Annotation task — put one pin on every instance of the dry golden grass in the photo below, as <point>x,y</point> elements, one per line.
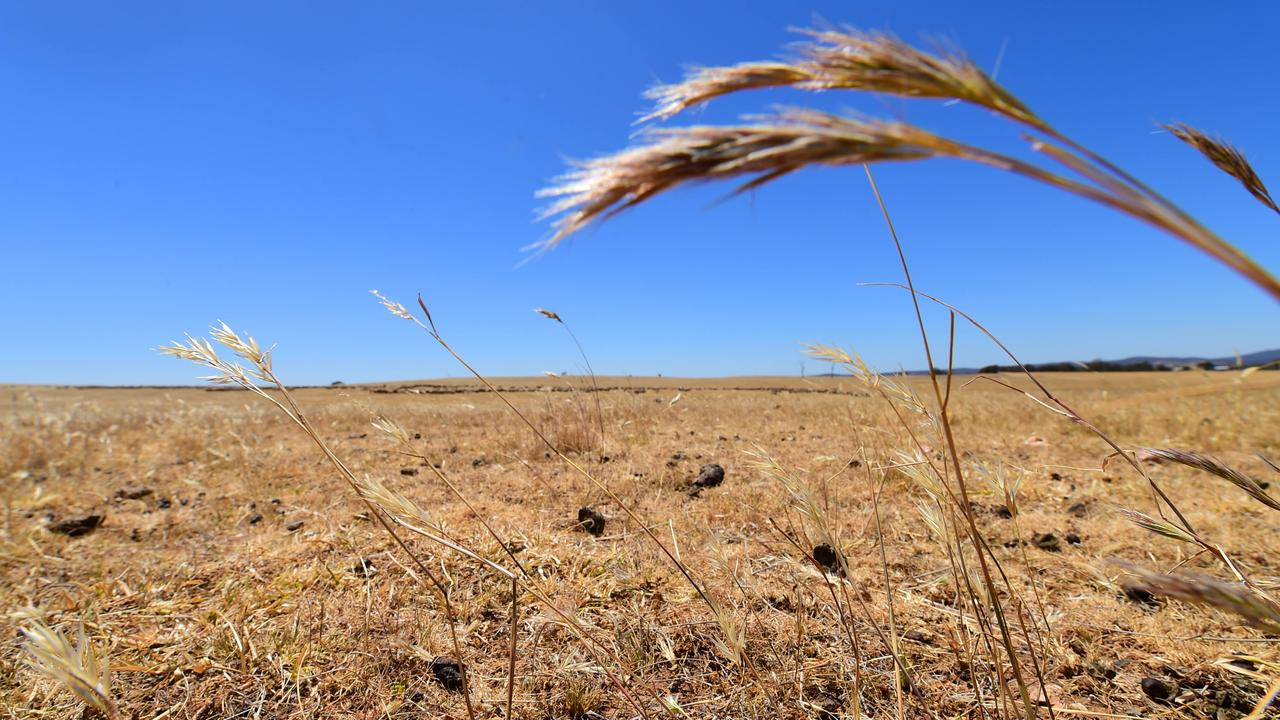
<point>206,614</point>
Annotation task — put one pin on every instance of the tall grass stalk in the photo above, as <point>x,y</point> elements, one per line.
<point>595,387</point>
<point>764,149</point>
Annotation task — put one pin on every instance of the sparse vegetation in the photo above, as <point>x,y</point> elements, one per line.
<point>849,546</point>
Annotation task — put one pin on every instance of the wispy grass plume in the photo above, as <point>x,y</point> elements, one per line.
<point>76,667</point>
<point>1214,466</point>
<point>1254,608</point>
<point>848,59</point>
<point>1226,157</point>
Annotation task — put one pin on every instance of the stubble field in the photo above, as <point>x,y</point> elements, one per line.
<point>235,574</point>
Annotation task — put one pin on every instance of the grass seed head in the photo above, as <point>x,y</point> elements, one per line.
<point>1226,157</point>
<point>76,667</point>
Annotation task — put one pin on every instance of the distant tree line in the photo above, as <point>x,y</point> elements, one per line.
<point>1104,366</point>
<point>1091,366</point>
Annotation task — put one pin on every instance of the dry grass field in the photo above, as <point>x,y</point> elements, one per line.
<point>235,574</point>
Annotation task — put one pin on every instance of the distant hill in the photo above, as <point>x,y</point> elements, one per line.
<point>1262,357</point>
<point>1143,362</point>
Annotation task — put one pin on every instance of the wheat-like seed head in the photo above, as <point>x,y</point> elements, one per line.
<point>204,352</point>
<point>76,667</point>
<point>1226,157</point>
<point>764,151</point>
<point>392,429</point>
<point>1214,466</point>
<point>931,514</point>
<point>1001,484</point>
<point>392,306</point>
<point>1158,526</point>
<point>394,503</point>
<point>1251,606</point>
<point>548,314</point>
<point>849,59</point>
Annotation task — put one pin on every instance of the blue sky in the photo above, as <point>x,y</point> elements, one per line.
<point>168,165</point>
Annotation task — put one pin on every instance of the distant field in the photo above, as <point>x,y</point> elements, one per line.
<point>226,578</point>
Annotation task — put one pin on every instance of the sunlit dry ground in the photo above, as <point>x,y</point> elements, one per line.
<point>210,605</point>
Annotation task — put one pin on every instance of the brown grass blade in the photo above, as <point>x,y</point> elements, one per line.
<point>1226,157</point>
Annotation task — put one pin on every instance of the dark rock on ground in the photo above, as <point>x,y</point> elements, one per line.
<point>827,706</point>
<point>409,471</point>
<point>479,462</point>
<point>591,520</point>
<point>1100,671</point>
<point>293,525</point>
<point>918,636</point>
<point>1078,510</point>
<point>826,556</point>
<point>710,475</point>
<point>255,518</point>
<point>448,672</point>
<point>1073,539</point>
<point>164,503</point>
<point>1142,596</point>
<point>1158,689</point>
<point>133,493</point>
<point>1047,541</point>
<point>77,525</point>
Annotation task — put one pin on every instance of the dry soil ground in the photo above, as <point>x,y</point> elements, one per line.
<point>235,575</point>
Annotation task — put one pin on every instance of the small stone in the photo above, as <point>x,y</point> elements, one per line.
<point>164,503</point>
<point>591,520</point>
<point>1047,541</point>
<point>1100,671</point>
<point>363,568</point>
<point>409,471</point>
<point>255,518</point>
<point>826,556</point>
<point>918,636</point>
<point>1158,689</point>
<point>1142,596</point>
<point>293,525</point>
<point>133,493</point>
<point>1073,539</point>
<point>710,475</point>
<point>479,462</point>
<point>827,706</point>
<point>1078,510</point>
<point>78,525</point>
<point>448,672</point>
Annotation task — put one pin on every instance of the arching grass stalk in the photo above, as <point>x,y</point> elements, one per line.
<point>595,388</point>
<point>764,149</point>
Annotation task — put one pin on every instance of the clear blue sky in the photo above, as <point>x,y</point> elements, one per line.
<point>164,165</point>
